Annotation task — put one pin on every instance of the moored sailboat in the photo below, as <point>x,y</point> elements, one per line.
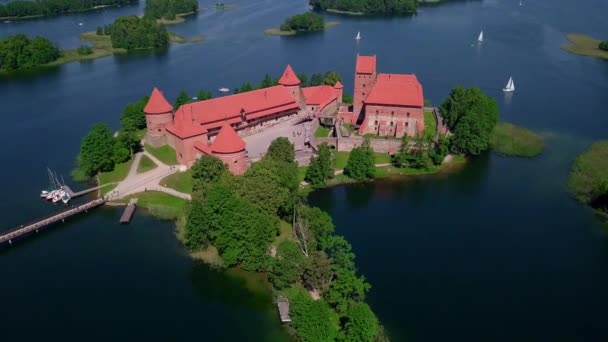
<point>480,38</point>
<point>510,85</point>
<point>358,35</point>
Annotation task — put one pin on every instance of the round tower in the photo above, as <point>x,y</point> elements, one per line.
<point>230,148</point>
<point>292,83</point>
<point>159,114</point>
<point>339,89</point>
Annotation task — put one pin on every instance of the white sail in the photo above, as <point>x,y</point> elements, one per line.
<point>510,85</point>
<point>358,36</point>
<point>480,39</point>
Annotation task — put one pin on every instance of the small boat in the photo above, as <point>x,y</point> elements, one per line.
<point>223,90</point>
<point>358,35</point>
<point>57,196</point>
<point>7,21</point>
<point>80,24</point>
<point>65,198</point>
<point>194,98</point>
<point>480,38</point>
<point>510,86</point>
<point>44,193</point>
<point>50,195</point>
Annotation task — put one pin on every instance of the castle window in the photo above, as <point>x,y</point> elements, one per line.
<point>376,112</point>
<point>393,113</point>
<point>376,123</point>
<point>363,85</point>
<point>159,129</point>
<point>408,114</point>
<point>407,124</point>
<point>391,123</point>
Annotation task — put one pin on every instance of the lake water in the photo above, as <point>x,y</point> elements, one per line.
<point>495,252</point>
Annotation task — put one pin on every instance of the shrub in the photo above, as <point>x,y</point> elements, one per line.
<point>84,50</point>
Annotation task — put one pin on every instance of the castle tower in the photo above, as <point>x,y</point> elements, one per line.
<point>365,78</point>
<point>292,83</point>
<point>159,114</point>
<point>339,88</point>
<point>230,148</point>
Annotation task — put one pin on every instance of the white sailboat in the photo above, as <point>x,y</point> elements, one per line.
<point>358,35</point>
<point>223,90</point>
<point>480,38</point>
<point>510,85</point>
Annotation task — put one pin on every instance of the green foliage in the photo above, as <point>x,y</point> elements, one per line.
<point>317,273</point>
<point>320,224</point>
<point>204,95</point>
<point>415,153</point>
<point>53,7</point>
<point>360,323</point>
<point>205,171</point>
<point>20,52</point>
<point>511,140</point>
<point>331,78</point>
<point>316,79</point>
<point>197,232</point>
<point>97,150</point>
<point>131,32</point>
<point>588,178</point>
<point>182,98</point>
<point>347,98</point>
<point>471,116</point>
<point>169,8</point>
<point>288,265</point>
<point>84,50</point>
<point>133,117</point>
<point>321,167</point>
<point>303,79</point>
<point>305,22</point>
<point>603,45</point>
<point>370,7</point>
<point>120,154</point>
<point>99,31</point>
<point>360,165</point>
<point>313,320</point>
<point>281,149</point>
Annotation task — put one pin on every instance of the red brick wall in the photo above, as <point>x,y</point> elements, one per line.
<point>236,162</point>
<point>409,116</point>
<point>363,85</point>
<point>155,124</point>
<point>184,148</point>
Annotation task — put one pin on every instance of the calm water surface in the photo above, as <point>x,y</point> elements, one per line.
<point>495,252</point>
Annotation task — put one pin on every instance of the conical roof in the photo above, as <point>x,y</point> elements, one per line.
<point>157,104</point>
<point>227,141</point>
<point>289,77</point>
<point>338,85</point>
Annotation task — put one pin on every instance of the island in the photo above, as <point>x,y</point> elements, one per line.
<point>42,8</point>
<point>170,12</point>
<point>301,23</point>
<point>366,7</point>
<point>588,180</point>
<point>584,45</point>
<point>511,140</point>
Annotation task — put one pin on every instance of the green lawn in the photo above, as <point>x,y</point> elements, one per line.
<point>145,164</point>
<point>285,233</point>
<point>301,173</point>
<point>322,132</point>
<point>430,125</point>
<point>180,181</point>
<point>511,140</point>
<point>341,158</point>
<point>119,173</point>
<point>160,204</point>
<point>165,154</point>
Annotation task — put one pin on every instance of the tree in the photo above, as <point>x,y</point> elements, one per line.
<point>121,153</point>
<point>319,223</point>
<point>281,149</point>
<point>197,231</point>
<point>331,78</point>
<point>204,95</point>
<point>266,82</point>
<point>414,153</point>
<point>133,117</point>
<point>303,79</point>
<point>263,186</point>
<point>471,116</point>
<point>347,98</point>
<point>321,167</point>
<point>97,150</point>
<point>131,32</point>
<point>305,22</point>
<point>288,265</point>
<point>313,320</point>
<point>604,45</point>
<point>316,79</point>
<point>20,52</point>
<point>317,273</point>
<point>206,170</point>
<point>182,98</point>
<point>360,323</point>
<point>360,164</point>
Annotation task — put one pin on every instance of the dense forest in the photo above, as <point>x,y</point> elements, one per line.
<point>169,8</point>
<point>370,7</point>
<point>52,7</point>
<point>305,22</point>
<point>604,45</point>
<point>132,32</point>
<point>21,52</point>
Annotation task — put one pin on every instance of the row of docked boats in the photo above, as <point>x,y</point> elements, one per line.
<point>56,191</point>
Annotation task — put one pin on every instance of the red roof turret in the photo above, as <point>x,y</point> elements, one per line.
<point>227,141</point>
<point>157,104</point>
<point>289,77</point>
<point>338,85</point>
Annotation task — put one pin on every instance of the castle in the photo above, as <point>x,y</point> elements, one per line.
<point>384,104</point>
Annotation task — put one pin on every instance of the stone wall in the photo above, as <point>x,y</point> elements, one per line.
<point>347,144</point>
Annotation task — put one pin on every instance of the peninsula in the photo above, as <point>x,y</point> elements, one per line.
<point>42,8</point>
<point>581,44</point>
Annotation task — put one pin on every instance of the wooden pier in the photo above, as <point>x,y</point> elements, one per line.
<point>283,306</point>
<point>10,236</point>
<point>129,211</point>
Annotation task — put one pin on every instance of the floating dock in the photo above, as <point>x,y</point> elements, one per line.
<point>127,215</point>
<point>10,236</point>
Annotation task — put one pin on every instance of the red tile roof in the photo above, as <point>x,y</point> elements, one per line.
<point>184,124</point>
<point>203,147</point>
<point>396,89</point>
<point>227,141</point>
<point>338,85</point>
<point>289,77</point>
<point>320,95</point>
<point>157,104</point>
<point>365,64</point>
<point>212,113</point>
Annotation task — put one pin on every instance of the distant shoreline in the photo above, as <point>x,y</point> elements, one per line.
<point>27,17</point>
<point>277,32</point>
<point>584,45</point>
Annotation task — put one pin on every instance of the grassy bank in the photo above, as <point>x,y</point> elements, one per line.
<point>101,45</point>
<point>511,140</point>
<point>341,158</point>
<point>145,164</point>
<point>160,204</point>
<point>278,32</point>
<point>584,45</point>
<point>588,178</point>
<point>224,6</point>
<point>180,181</point>
<point>118,174</point>
<point>179,18</point>
<point>322,132</point>
<point>165,153</point>
<point>430,125</point>
<point>176,38</point>
<point>335,11</point>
